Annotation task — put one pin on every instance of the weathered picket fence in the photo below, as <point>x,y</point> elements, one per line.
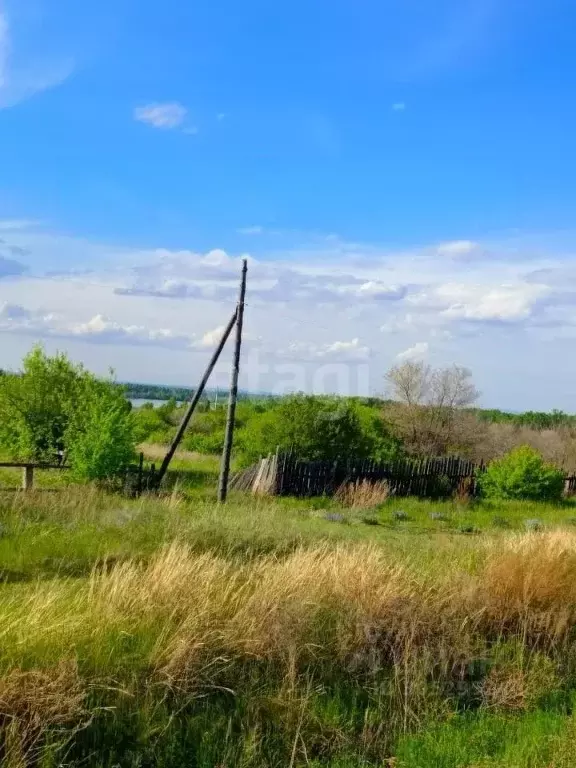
<point>286,475</point>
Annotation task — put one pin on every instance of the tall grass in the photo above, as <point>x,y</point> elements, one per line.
<point>330,652</point>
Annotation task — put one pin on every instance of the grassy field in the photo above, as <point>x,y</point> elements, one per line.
<point>175,632</point>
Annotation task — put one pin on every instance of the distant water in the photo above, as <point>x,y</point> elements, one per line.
<point>137,402</point>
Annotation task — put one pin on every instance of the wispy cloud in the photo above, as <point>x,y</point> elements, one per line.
<point>167,115</point>
<point>254,230</point>
<point>4,48</point>
<point>495,306</point>
<point>16,224</point>
<point>334,351</point>
<point>22,77</point>
<point>399,106</point>
<point>15,318</point>
<point>458,248</point>
<point>418,352</point>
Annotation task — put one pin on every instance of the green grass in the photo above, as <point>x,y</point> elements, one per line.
<point>285,609</point>
<point>538,739</point>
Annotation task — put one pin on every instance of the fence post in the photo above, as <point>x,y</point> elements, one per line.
<point>140,473</point>
<point>27,478</point>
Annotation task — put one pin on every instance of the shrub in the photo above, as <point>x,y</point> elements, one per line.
<point>54,405</point>
<point>100,438</point>
<point>522,474</point>
<point>36,405</point>
<point>316,429</point>
<point>155,425</point>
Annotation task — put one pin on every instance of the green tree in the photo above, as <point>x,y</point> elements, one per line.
<point>316,428</point>
<point>54,405</point>
<point>522,474</point>
<point>35,405</point>
<point>100,436</point>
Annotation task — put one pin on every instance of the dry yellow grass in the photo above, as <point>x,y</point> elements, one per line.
<point>363,494</point>
<point>356,609</point>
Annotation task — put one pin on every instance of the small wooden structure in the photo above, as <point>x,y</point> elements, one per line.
<point>28,468</point>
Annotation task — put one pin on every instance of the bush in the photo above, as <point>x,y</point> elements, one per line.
<point>55,406</point>
<point>100,438</point>
<point>155,425</point>
<point>522,474</point>
<point>316,428</point>
<point>36,405</point>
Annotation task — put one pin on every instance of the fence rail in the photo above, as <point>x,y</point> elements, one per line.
<point>28,468</point>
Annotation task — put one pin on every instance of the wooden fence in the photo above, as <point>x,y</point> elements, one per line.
<point>285,475</point>
<point>134,480</point>
<point>427,478</point>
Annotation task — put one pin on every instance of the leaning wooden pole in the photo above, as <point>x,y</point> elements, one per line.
<point>230,419</point>
<point>194,402</point>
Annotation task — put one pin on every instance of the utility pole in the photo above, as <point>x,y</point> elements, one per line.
<point>230,419</point>
<point>194,402</point>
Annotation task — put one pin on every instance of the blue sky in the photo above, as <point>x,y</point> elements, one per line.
<point>401,174</point>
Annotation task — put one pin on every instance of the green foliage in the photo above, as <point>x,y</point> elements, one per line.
<point>532,419</point>
<point>206,431</point>
<point>317,428</point>
<point>36,406</point>
<point>100,437</point>
<point>54,405</point>
<point>522,474</point>
<point>155,425</point>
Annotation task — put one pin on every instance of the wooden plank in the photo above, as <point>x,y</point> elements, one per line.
<point>22,464</point>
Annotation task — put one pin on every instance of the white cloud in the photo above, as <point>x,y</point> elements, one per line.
<point>16,318</point>
<point>166,116</point>
<point>376,290</point>
<point>255,230</point>
<point>335,351</point>
<point>399,106</point>
<point>210,339</point>
<point>214,276</point>
<point>328,301</point>
<point>102,329</point>
<point>346,348</point>
<point>457,248</point>
<point>505,303</point>
<point>417,352</point>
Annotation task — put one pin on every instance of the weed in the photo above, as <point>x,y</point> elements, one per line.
<point>363,494</point>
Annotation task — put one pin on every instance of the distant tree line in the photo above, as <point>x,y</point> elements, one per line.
<point>53,407</point>
<point>135,391</point>
<point>531,419</point>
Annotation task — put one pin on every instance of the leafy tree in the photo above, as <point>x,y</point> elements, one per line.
<point>522,474</point>
<point>54,405</point>
<point>316,428</point>
<point>206,431</point>
<point>100,436</point>
<point>36,405</point>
